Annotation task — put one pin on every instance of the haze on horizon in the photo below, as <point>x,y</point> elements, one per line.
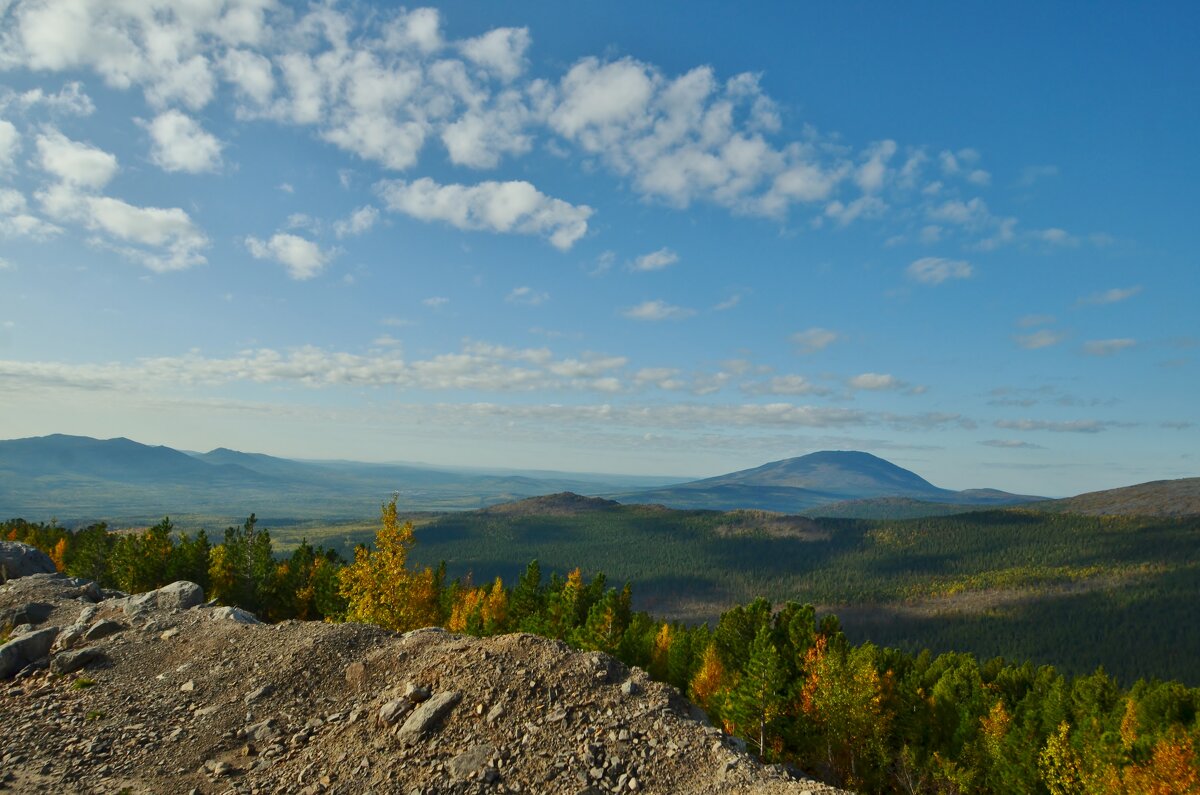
<point>632,239</point>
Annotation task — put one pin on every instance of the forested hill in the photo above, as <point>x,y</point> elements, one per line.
<point>1156,498</point>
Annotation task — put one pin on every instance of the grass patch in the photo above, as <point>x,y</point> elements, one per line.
<point>83,683</point>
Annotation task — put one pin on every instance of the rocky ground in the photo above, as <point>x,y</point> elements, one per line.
<point>105,693</point>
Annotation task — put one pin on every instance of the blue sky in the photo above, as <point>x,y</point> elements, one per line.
<point>644,238</point>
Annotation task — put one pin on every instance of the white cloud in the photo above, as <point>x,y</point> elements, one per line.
<point>1055,426</point>
<point>785,385</point>
<point>814,339</point>
<point>435,302</point>
<point>527,296</point>
<point>159,238</point>
<point>970,213</point>
<point>1056,237</point>
<point>10,144</point>
<point>510,207</point>
<point>657,310</point>
<point>160,45</point>
<point>251,74</point>
<point>501,50</point>
<point>482,135</point>
<point>862,207</point>
<point>73,162</point>
<point>358,222</point>
<point>420,27</point>
<point>1115,295</point>
<point>935,270</point>
<point>302,258</point>
<point>729,303</point>
<point>1043,338</point>
<point>655,260</point>
<point>1108,347</point>
<point>70,100</point>
<point>12,201</point>
<point>871,175</point>
<point>181,144</point>
<point>875,382</point>
<point>5,265</point>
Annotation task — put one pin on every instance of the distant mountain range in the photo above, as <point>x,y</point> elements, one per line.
<point>811,482</point>
<point>78,478</point>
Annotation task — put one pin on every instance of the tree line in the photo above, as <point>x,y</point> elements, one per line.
<point>790,684</point>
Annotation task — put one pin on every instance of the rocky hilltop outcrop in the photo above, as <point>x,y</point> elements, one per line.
<point>162,692</point>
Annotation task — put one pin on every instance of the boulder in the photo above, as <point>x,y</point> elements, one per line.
<point>234,614</point>
<point>21,651</point>
<point>102,629</point>
<point>179,595</point>
<point>69,661</point>
<point>21,560</point>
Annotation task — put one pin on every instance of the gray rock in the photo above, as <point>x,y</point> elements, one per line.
<point>427,716</point>
<point>234,614</point>
<point>70,636</point>
<point>471,761</point>
<point>22,560</point>
<point>19,652</point>
<point>416,693</point>
<point>69,661</point>
<point>179,595</point>
<point>630,688</point>
<point>263,731</point>
<point>102,629</point>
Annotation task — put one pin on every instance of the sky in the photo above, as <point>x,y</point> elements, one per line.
<point>648,238</point>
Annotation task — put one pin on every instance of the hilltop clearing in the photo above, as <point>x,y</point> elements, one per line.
<point>159,693</point>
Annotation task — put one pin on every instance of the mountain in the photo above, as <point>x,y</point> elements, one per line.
<point>80,479</point>
<point>1156,498</point>
<point>797,485</point>
<point>82,457</point>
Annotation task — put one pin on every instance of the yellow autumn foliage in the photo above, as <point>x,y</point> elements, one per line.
<point>380,588</point>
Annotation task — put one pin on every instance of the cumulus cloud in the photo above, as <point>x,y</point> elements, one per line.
<point>358,222</point>
<point>73,162</point>
<point>501,50</point>
<point>1113,296</point>
<point>174,240</point>
<point>302,258</point>
<point>382,86</point>
<point>506,207</point>
<point>655,260</point>
<point>814,339</point>
<point>935,270</point>
<point>181,144</point>
<point>657,310</point>
<point>527,296</point>
<point>1042,338</point>
<point>1108,347</point>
